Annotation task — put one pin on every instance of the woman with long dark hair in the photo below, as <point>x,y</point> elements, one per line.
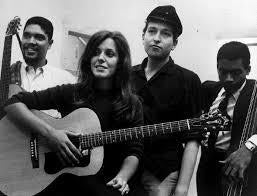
<point>104,87</point>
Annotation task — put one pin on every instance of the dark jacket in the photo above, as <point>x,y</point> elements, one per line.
<point>209,174</point>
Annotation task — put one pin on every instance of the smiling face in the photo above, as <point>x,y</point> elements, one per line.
<point>35,44</point>
<point>104,61</point>
<point>158,40</point>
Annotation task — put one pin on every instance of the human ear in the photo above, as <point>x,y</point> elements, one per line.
<point>175,42</point>
<point>248,70</point>
<point>50,43</point>
<point>143,36</point>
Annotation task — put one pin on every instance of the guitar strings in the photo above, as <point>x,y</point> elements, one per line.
<point>137,131</point>
<point>235,189</point>
<point>100,138</point>
<point>5,72</point>
<point>250,124</point>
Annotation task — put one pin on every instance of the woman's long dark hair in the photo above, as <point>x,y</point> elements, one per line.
<point>124,107</point>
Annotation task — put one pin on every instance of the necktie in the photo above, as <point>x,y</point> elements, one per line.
<point>224,104</point>
<point>223,109</point>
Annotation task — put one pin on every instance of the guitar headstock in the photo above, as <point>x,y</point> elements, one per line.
<point>213,121</point>
<point>13,26</point>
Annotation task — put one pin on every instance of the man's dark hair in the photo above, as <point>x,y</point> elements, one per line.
<point>44,23</point>
<point>235,50</point>
<point>175,34</point>
<point>166,14</point>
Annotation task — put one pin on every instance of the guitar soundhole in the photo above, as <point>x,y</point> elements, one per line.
<point>54,165</point>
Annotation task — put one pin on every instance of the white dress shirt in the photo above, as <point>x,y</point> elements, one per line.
<point>43,78</point>
<point>223,139</point>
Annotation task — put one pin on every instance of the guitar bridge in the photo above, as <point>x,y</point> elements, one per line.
<point>34,154</point>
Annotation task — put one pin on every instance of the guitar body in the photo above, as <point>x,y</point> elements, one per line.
<point>28,166</point>
<point>17,175</point>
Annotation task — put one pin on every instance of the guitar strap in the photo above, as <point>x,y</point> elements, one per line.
<point>16,73</point>
<point>15,77</point>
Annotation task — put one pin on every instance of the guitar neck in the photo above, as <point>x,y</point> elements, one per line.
<point>128,134</point>
<point>5,71</point>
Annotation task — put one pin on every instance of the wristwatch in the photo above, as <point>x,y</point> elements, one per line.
<point>250,146</point>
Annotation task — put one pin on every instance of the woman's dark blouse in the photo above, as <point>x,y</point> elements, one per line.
<point>67,98</point>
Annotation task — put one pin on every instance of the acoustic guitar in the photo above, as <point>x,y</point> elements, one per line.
<point>11,30</point>
<point>28,166</point>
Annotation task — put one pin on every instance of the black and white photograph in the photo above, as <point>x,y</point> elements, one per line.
<point>128,98</point>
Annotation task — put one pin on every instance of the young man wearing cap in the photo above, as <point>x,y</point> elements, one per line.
<point>36,73</point>
<point>169,92</point>
<point>229,160</point>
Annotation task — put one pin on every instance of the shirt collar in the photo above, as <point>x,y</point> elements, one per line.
<point>167,68</point>
<point>236,94</point>
<point>28,68</point>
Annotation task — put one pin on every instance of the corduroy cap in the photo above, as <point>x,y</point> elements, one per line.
<point>168,15</point>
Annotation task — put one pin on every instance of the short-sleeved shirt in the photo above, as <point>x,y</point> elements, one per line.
<point>172,94</point>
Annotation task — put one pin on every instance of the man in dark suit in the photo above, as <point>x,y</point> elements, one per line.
<point>224,161</point>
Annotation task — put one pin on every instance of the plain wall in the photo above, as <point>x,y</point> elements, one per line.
<point>204,24</point>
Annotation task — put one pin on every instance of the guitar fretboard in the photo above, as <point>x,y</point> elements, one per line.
<point>135,133</point>
<point>5,70</point>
